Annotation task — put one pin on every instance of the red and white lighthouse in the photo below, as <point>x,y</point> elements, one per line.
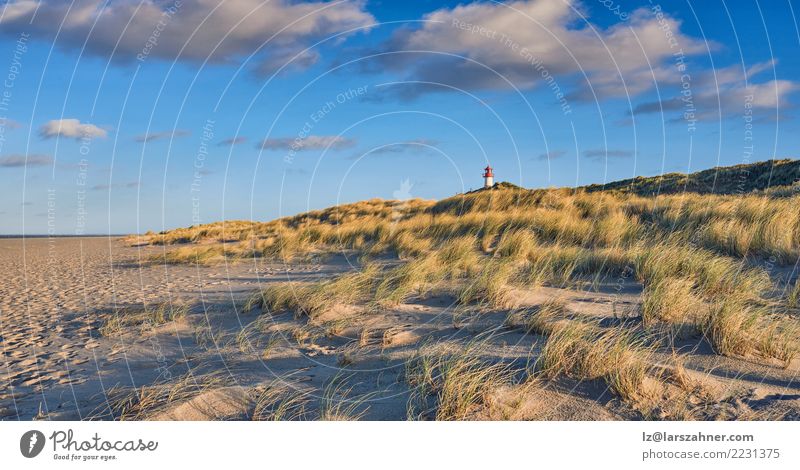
<point>488,177</point>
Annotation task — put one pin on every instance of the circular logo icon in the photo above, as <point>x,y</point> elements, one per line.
<point>31,443</point>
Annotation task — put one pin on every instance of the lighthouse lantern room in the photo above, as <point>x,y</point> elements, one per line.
<point>488,177</point>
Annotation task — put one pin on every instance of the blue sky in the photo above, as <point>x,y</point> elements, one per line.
<point>128,116</point>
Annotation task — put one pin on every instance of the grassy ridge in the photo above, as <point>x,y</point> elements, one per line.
<point>738,179</point>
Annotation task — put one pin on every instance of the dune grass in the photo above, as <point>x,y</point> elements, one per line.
<point>793,296</point>
<point>279,401</point>
<point>672,300</point>
<point>338,403</point>
<point>459,381</point>
<point>310,299</point>
<point>490,286</point>
<point>142,317</point>
<point>538,320</point>
<point>414,277</point>
<point>616,356</point>
<point>518,244</point>
<point>125,404</point>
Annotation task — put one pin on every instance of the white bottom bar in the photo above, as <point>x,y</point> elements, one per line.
<point>407,445</point>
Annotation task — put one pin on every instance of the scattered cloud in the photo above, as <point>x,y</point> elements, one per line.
<point>603,153</point>
<point>9,124</point>
<point>312,142</point>
<point>18,160</point>
<point>105,187</point>
<point>188,30</point>
<point>232,141</point>
<point>552,155</point>
<point>162,135</point>
<point>725,101</point>
<point>536,43</point>
<point>71,128</point>
<point>410,146</point>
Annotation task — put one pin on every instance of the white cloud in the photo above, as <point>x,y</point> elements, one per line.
<point>194,30</point>
<point>725,98</point>
<point>71,128</point>
<point>769,94</point>
<point>312,142</point>
<point>528,41</point>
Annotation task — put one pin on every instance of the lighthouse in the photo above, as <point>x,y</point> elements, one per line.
<point>488,177</point>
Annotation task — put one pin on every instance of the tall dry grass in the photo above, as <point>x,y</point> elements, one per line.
<point>616,356</point>
<point>126,404</point>
<point>338,403</point>
<point>143,317</point>
<point>540,320</point>
<point>311,299</point>
<point>279,401</point>
<point>458,379</point>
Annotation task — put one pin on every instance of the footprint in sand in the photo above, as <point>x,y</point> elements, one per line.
<point>26,363</point>
<point>68,354</point>
<point>31,381</point>
<point>72,380</point>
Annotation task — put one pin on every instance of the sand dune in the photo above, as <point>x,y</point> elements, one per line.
<point>217,361</point>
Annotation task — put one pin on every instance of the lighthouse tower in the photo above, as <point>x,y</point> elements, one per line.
<point>488,177</point>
